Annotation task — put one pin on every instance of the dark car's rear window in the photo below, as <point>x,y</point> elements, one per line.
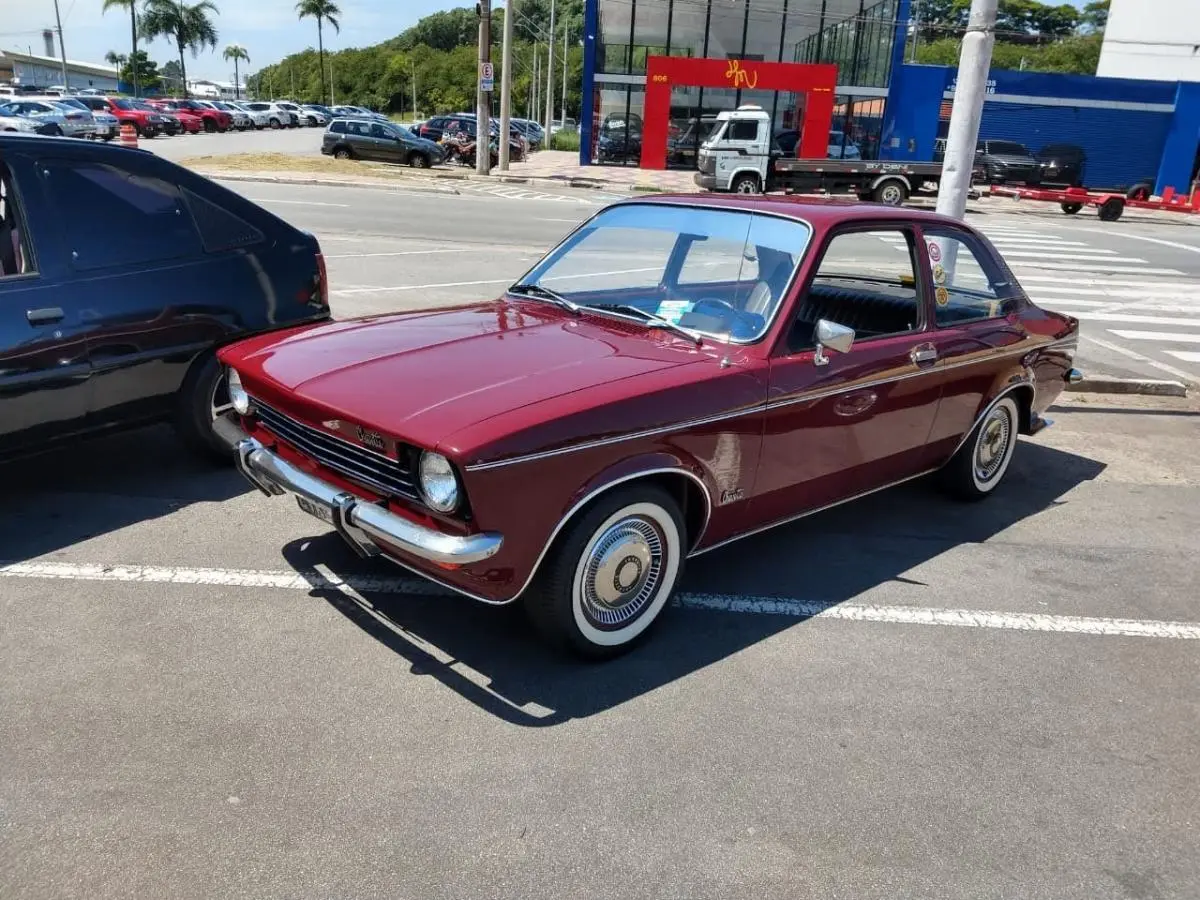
<point>338,127</point>
<point>1006,147</point>
<point>219,228</point>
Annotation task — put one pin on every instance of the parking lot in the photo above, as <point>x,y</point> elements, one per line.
<point>205,694</point>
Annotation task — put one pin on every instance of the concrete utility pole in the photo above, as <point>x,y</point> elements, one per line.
<point>413,66</point>
<point>533,87</point>
<point>483,99</point>
<point>550,74</point>
<point>562,110</point>
<point>969,93</point>
<point>62,47</point>
<point>506,83</point>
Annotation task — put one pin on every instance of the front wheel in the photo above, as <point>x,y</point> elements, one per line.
<point>1072,208</point>
<point>983,460</point>
<point>203,397</point>
<point>610,573</point>
<point>418,161</point>
<point>747,183</point>
<point>890,193</point>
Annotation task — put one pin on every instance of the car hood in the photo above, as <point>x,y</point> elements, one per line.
<point>422,377</point>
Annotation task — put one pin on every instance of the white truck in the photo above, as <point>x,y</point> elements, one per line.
<point>739,155</point>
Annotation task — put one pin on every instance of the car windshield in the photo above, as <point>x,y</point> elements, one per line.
<point>721,273</point>
<point>123,104</point>
<point>142,105</point>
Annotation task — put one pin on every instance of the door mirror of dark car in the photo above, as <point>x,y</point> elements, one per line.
<point>832,336</point>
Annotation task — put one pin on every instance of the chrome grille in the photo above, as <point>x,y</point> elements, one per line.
<point>371,470</point>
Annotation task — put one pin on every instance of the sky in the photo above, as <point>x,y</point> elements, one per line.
<point>268,29</point>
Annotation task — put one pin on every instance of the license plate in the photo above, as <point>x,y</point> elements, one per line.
<point>317,510</point>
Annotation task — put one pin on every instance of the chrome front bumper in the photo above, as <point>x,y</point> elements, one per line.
<point>364,525</point>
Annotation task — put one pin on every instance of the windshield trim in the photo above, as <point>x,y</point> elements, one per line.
<point>725,338</point>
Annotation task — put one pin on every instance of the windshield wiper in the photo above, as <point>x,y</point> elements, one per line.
<point>536,290</point>
<point>654,321</point>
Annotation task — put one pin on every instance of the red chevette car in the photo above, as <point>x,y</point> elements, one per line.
<point>679,373</point>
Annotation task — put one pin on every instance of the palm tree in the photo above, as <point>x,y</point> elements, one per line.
<point>322,11</point>
<point>113,58</point>
<point>236,52</point>
<point>188,25</point>
<point>130,5</point>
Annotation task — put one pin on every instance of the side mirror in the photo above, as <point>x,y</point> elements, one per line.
<point>831,335</point>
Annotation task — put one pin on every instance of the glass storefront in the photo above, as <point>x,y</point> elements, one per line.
<point>856,35</point>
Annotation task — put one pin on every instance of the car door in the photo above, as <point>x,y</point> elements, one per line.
<point>387,146</point>
<point>976,332</point>
<point>842,424</point>
<point>150,298</point>
<point>44,369</point>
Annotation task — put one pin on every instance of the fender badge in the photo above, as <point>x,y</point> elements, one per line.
<point>372,439</point>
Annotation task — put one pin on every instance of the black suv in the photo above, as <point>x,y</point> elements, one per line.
<point>120,275</point>
<point>363,139</point>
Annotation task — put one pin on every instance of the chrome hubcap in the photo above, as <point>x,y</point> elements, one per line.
<point>891,195</point>
<point>993,445</point>
<point>623,572</point>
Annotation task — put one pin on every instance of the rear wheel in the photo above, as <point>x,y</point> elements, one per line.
<point>55,131</point>
<point>209,126</point>
<point>890,193</point>
<point>1140,191</point>
<point>418,160</point>
<point>203,397</point>
<point>981,463</point>
<point>275,123</point>
<point>343,153</point>
<point>1112,209</point>
<point>611,573</point>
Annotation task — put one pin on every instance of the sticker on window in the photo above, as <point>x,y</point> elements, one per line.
<point>939,275</point>
<point>674,310</point>
<point>935,252</point>
<point>943,296</point>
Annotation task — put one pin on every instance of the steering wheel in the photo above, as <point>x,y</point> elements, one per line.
<point>726,307</point>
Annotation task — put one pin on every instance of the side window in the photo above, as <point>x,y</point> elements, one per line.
<point>15,258</point>
<point>378,131</point>
<point>119,218</point>
<point>967,282</point>
<point>742,130</point>
<point>867,280</point>
<point>338,127</point>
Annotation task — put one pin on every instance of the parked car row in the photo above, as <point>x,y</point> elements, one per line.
<point>360,134</point>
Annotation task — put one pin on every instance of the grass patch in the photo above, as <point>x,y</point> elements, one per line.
<point>565,140</point>
<point>308,165</point>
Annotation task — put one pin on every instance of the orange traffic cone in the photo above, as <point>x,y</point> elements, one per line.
<point>128,136</point>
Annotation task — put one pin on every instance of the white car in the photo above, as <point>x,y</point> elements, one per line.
<point>26,124</point>
<point>276,116</point>
<point>259,118</point>
<point>241,121</point>
<point>294,110</point>
<point>106,125</point>
<point>314,116</point>
<point>65,120</point>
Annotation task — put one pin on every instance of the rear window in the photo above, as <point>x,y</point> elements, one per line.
<point>338,127</point>
<point>1006,147</point>
<point>119,218</point>
<point>219,228</point>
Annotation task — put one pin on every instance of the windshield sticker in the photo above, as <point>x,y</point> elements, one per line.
<point>935,252</point>
<point>939,275</point>
<point>943,297</point>
<point>673,310</point>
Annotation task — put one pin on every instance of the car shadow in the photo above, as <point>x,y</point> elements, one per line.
<point>491,657</point>
<point>126,478</point>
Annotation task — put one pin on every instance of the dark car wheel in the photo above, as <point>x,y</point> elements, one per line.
<point>1071,208</point>
<point>610,573</point>
<point>55,131</point>
<point>418,160</point>
<point>343,153</point>
<point>981,463</point>
<point>275,123</point>
<point>1140,191</point>
<point>203,397</point>
<point>209,126</point>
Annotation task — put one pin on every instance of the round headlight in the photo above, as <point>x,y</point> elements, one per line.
<point>237,394</point>
<point>438,483</point>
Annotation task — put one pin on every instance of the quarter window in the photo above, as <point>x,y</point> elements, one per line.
<point>967,283</point>
<point>119,218</point>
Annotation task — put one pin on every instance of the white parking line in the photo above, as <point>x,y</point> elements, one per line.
<point>1132,354</point>
<point>1167,337</point>
<point>463,249</point>
<point>805,609</point>
<point>1137,320</point>
<point>297,202</point>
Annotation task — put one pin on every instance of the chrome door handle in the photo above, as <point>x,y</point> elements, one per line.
<point>923,354</point>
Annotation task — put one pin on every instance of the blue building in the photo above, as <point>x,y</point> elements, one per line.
<point>1130,131</point>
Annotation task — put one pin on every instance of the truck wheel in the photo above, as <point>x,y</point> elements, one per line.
<point>1111,209</point>
<point>1071,208</point>
<point>890,193</point>
<point>1140,191</point>
<point>746,183</point>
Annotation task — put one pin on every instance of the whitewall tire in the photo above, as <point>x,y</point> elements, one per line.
<point>611,573</point>
<point>984,458</point>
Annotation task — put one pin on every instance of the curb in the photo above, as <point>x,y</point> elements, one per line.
<point>1146,387</point>
<point>325,182</point>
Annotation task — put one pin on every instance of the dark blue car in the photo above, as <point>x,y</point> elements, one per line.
<point>120,275</point>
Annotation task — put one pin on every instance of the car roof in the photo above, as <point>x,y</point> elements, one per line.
<point>821,212</point>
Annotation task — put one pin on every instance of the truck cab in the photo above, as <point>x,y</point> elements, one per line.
<point>737,154</point>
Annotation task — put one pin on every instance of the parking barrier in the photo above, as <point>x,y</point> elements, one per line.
<point>128,136</point>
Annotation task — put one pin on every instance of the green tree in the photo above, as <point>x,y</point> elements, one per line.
<point>171,74</point>
<point>1095,17</point>
<point>441,31</point>
<point>237,53</point>
<point>142,70</point>
<point>113,58</point>
<point>187,25</point>
<point>322,11</point>
<point>130,5</point>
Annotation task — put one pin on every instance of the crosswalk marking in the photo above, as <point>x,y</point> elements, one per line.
<point>1128,319</point>
<point>1166,336</point>
<point>1074,267</point>
<point>1185,355</point>
<point>1098,256</point>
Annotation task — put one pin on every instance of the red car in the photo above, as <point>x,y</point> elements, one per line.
<point>679,373</point>
<point>146,120</point>
<point>211,119</point>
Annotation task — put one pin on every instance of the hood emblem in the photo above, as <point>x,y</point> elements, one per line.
<point>333,424</point>
<point>372,439</point>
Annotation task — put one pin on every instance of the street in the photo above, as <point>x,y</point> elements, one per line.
<point>1132,285</point>
<point>205,694</point>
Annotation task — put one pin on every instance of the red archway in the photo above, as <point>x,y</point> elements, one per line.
<point>817,82</point>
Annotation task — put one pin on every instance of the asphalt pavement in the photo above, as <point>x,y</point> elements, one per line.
<point>205,695</point>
